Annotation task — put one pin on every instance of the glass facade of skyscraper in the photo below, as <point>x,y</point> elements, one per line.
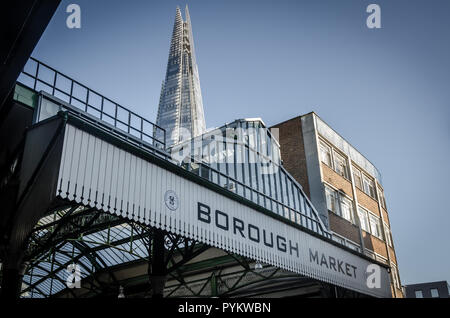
<point>180,110</point>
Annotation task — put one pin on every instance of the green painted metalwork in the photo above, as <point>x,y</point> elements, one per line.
<point>25,95</point>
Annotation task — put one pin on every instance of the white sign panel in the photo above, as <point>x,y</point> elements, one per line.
<point>98,174</point>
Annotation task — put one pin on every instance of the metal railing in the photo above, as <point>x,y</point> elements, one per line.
<point>46,78</point>
<point>302,216</point>
<point>50,83</point>
<point>344,241</point>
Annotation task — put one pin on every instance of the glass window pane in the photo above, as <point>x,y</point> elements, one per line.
<point>381,198</point>
<point>375,227</point>
<point>296,197</point>
<point>284,188</point>
<point>301,203</point>
<point>259,175</point>
<point>357,178</point>
<point>434,293</point>
<point>277,185</point>
<point>271,177</point>
<point>240,190</point>
<point>363,219</point>
<point>340,165</point>
<point>265,177</point>
<point>325,154</point>
<point>230,160</point>
<point>253,175</point>
<point>246,167</point>
<point>346,209</point>
<point>248,192</point>
<point>368,186</point>
<point>331,199</point>
<point>239,166</point>
<point>251,136</point>
<point>214,155</point>
<point>269,145</point>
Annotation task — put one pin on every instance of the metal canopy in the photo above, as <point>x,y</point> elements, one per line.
<point>103,238</point>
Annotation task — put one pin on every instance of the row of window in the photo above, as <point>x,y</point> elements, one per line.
<point>339,163</point>
<point>334,160</point>
<point>434,293</point>
<point>364,183</point>
<point>341,205</point>
<point>370,223</point>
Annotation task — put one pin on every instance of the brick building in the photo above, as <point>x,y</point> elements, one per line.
<point>343,185</point>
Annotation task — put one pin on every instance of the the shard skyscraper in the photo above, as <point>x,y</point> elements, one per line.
<point>180,110</point>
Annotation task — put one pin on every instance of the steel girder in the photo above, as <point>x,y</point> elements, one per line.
<point>98,242</point>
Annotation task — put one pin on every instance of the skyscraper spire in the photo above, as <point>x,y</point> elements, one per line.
<point>180,110</point>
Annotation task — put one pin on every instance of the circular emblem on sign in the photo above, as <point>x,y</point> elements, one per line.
<point>171,200</point>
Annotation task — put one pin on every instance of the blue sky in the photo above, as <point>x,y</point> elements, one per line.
<point>385,90</point>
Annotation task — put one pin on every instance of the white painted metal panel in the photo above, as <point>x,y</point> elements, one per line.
<point>119,182</point>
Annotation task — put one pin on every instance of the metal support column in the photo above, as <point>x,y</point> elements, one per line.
<point>157,271</point>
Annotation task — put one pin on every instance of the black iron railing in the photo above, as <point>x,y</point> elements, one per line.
<point>303,215</point>
<point>39,76</point>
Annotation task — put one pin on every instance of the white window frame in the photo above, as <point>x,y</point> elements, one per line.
<point>329,191</point>
<point>322,144</point>
<point>343,199</point>
<point>375,221</point>
<point>437,292</point>
<point>338,157</point>
<point>370,190</point>
<point>363,211</point>
<point>358,172</point>
<point>337,198</point>
<point>418,293</point>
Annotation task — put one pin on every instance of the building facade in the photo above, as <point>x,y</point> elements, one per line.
<point>180,111</point>
<point>439,289</point>
<point>343,185</point>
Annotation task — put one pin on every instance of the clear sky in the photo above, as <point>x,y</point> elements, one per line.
<point>387,91</point>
